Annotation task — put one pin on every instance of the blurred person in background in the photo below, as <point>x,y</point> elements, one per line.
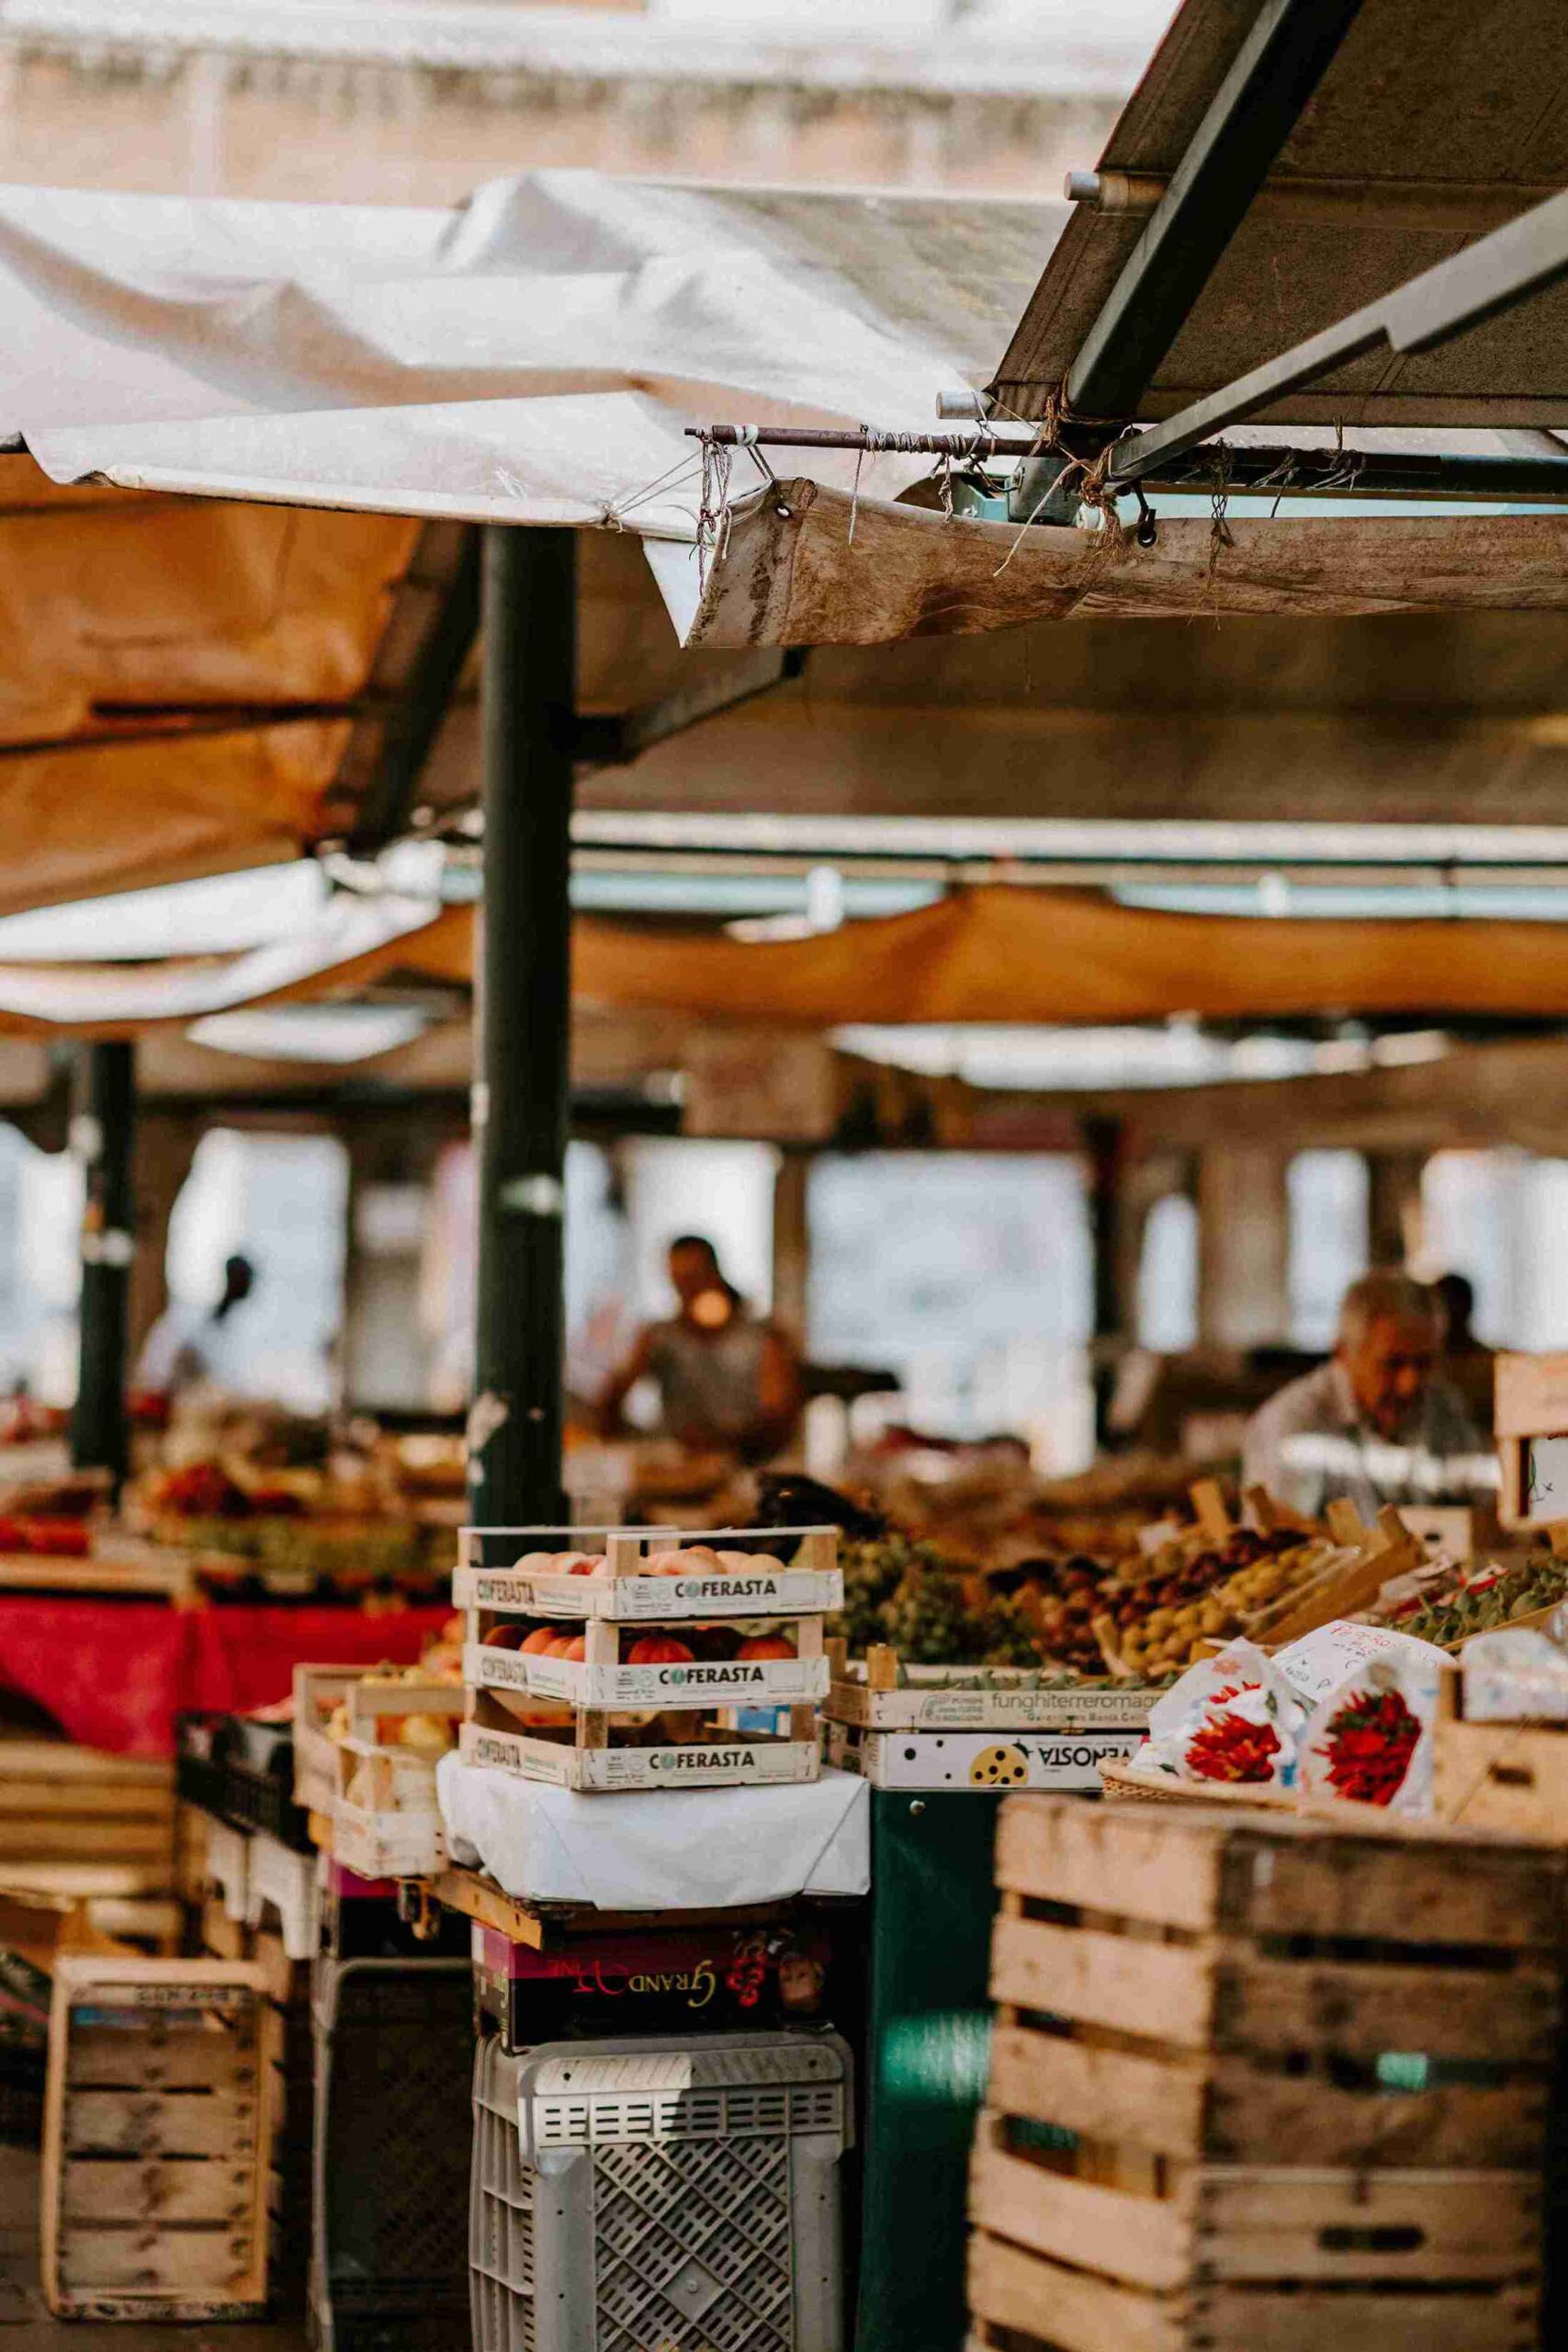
<point>1375,1424</point>
<point>726,1378</point>
<point>188,1348</point>
<point>1468,1364</point>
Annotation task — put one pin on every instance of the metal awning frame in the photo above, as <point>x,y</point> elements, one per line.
<point>1492,276</point>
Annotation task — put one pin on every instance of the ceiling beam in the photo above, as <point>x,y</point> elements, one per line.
<point>419,665</point>
<point>615,740</point>
<point>1251,116</point>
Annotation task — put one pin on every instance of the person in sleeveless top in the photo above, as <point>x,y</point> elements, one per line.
<point>724,1377</point>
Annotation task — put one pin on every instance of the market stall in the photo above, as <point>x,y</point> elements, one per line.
<point>651,1735</point>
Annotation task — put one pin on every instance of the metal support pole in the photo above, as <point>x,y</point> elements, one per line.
<point>524,1019</point>
<point>1104,1143</point>
<point>102,1129</point>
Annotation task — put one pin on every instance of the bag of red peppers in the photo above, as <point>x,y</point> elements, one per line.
<point>1347,1712</point>
<point>1233,1719</point>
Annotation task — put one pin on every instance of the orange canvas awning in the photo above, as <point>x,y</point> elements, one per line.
<point>1048,957</point>
<point>1045,957</point>
<point>181,680</point>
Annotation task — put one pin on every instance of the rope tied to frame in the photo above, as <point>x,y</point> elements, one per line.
<point>713,507</point>
<point>1090,476</point>
<point>1220,533</point>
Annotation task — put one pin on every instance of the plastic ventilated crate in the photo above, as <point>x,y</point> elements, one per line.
<point>679,2195</point>
<point>394,2044</point>
<point>242,1773</point>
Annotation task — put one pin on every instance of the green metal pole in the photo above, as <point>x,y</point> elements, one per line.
<point>523,1021</point>
<point>102,1129</point>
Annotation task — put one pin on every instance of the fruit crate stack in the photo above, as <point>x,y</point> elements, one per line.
<point>1263,2082</point>
<point>621,1658</point>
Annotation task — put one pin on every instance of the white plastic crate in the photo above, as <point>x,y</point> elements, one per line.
<point>681,2194</point>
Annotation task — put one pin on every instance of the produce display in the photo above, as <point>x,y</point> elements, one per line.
<point>49,1539</point>
<point>1163,1613</point>
<point>1478,1598</point>
<point>1229,1747</point>
<point>905,1594</point>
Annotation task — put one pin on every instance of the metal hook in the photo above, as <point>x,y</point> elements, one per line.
<point>1147,531</point>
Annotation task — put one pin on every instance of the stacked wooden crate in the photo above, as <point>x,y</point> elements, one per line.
<point>661,1677</point>
<point>1262,2083</point>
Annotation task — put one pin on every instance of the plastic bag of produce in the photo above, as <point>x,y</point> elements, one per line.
<point>1518,1675</point>
<point>1232,1719</point>
<point>1373,1693</point>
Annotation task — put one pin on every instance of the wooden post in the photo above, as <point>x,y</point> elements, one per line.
<point>791,1244</point>
<point>1104,1142</point>
<point>1394,1206</point>
<point>166,1147</point>
<point>523,1024</point>
<point>102,1124</point>
<point>1243,1245</point>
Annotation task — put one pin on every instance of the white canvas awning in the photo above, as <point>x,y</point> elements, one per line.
<point>538,354</point>
<point>534,355</point>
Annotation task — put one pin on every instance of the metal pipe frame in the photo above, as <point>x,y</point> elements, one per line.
<point>1280,470</point>
<point>1252,114</point>
<point>1493,276</point>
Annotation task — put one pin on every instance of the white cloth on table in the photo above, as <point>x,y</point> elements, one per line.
<point>656,1849</point>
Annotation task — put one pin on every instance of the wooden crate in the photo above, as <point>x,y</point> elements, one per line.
<point>797,1572</point>
<point>1186,1996</point>
<point>63,1804</point>
<point>882,1693</point>
<point>319,1691</point>
<point>86,1825</point>
<point>1531,1405</point>
<point>1511,1777</point>
<point>1237,2260</point>
<point>382,1825</point>
<point>582,1723</point>
<point>155,2141</point>
<point>570,1757</point>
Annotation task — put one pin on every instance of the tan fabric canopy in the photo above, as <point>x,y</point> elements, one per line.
<point>805,565</point>
<point>177,679</point>
<point>992,954</point>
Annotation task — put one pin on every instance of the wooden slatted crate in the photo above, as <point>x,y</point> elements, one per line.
<point>98,1828</point>
<point>1258,2082</point>
<point>601,1719</point>
<point>156,2120</point>
<point>62,1804</point>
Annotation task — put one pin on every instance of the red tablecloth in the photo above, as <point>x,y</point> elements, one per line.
<point>115,1673</point>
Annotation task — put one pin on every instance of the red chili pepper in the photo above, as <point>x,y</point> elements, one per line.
<point>1229,1747</point>
<point>1368,1744</point>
